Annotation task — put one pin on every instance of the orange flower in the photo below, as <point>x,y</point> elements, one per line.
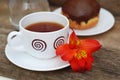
<point>78,52</point>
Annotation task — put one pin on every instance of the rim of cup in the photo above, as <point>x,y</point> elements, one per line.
<point>52,32</point>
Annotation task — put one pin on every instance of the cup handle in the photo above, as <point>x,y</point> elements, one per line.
<point>14,41</point>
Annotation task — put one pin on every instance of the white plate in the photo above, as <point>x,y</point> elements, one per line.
<point>26,61</point>
<point>106,22</point>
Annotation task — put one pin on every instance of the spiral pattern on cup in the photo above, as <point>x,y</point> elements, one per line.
<point>39,45</point>
<point>59,41</point>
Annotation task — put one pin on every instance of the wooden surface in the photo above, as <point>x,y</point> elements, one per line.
<point>107,60</point>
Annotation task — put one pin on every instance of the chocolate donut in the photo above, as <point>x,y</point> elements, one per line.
<point>81,10</point>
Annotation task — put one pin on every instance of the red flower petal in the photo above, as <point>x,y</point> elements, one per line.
<point>88,64</point>
<point>82,64</point>
<point>74,40</point>
<point>69,55</point>
<point>90,59</point>
<point>78,65</point>
<point>73,36</point>
<point>61,49</point>
<point>65,52</point>
<point>74,65</point>
<point>90,44</point>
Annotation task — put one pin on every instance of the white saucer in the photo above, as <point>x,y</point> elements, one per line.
<point>106,22</point>
<point>26,61</point>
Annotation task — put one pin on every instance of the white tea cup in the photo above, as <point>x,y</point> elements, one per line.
<point>41,45</point>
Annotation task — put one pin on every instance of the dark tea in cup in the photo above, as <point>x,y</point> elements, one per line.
<point>44,27</point>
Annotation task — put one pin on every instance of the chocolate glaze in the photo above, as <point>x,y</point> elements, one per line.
<point>81,10</point>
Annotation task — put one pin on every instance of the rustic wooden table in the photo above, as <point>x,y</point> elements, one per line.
<point>107,60</point>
